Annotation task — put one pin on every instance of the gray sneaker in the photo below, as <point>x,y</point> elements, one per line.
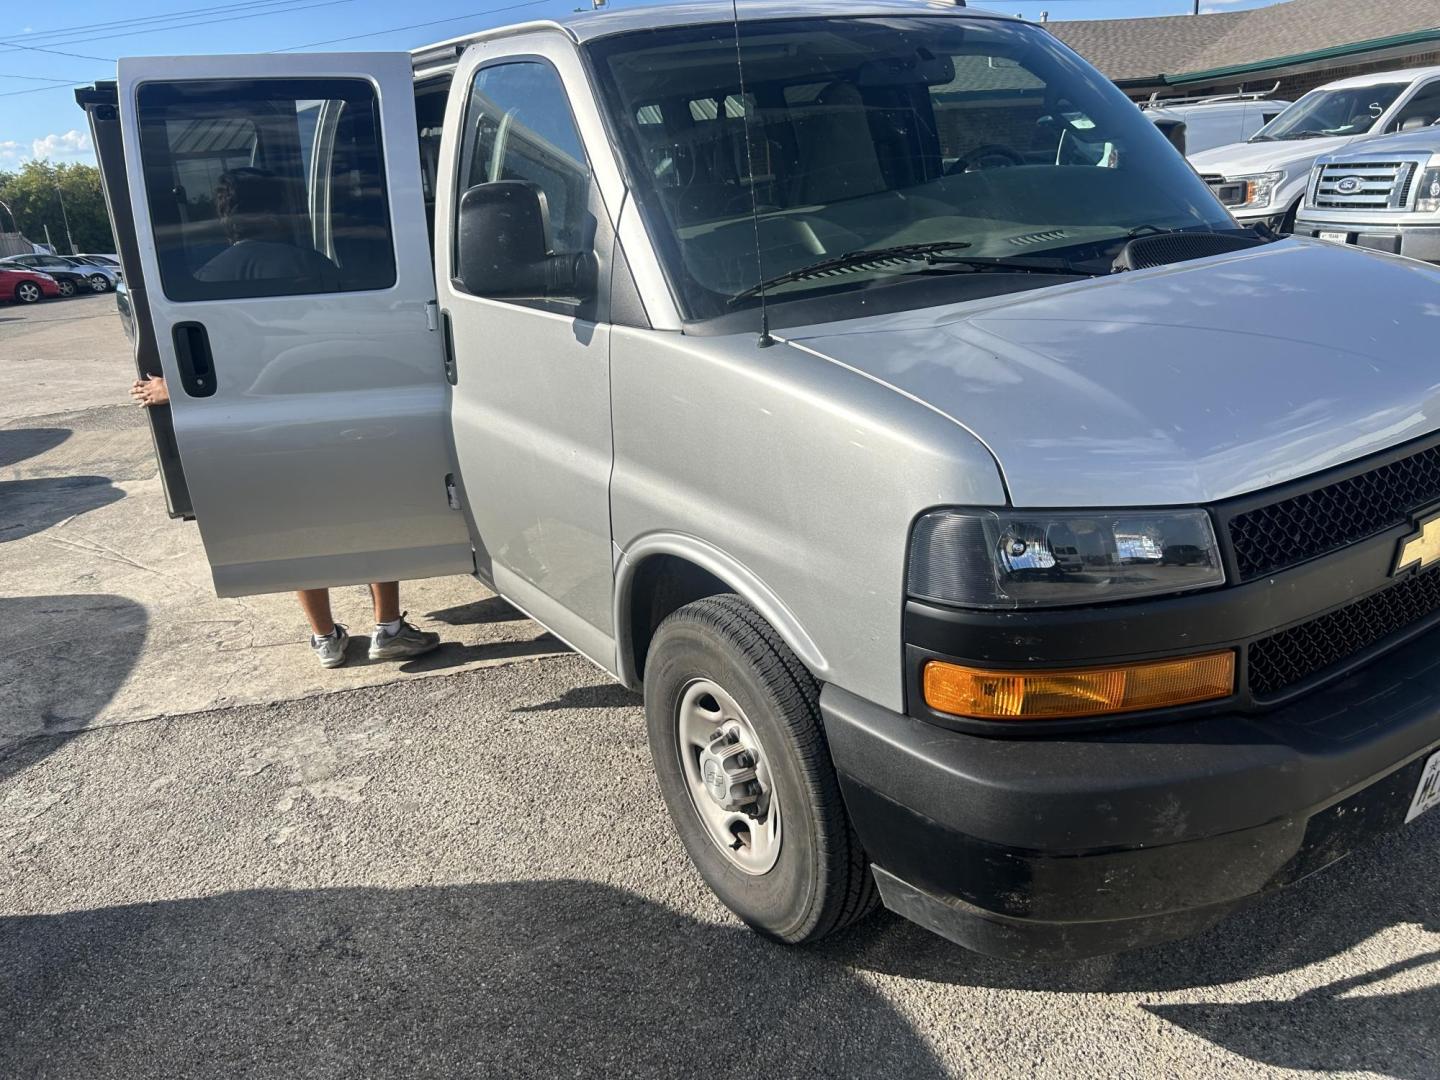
<point>331,650</point>
<point>406,642</point>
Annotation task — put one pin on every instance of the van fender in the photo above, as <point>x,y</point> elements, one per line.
<point>721,565</point>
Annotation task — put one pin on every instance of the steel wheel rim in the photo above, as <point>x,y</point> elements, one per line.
<point>750,842</point>
<point>29,293</point>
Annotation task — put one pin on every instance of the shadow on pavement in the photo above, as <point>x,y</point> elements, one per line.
<point>17,444</point>
<point>605,696</point>
<point>452,654</point>
<point>539,978</point>
<point>62,658</point>
<point>1393,1034</point>
<point>1390,883</point>
<point>31,506</point>
<point>490,610</point>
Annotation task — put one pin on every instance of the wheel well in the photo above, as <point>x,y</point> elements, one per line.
<point>663,584</point>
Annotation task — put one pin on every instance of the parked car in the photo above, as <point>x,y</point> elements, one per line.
<point>1384,195</point>
<point>1214,121</point>
<point>1028,544</point>
<point>102,260</point>
<point>1262,180</point>
<point>71,278</point>
<point>95,270</point>
<point>26,286</point>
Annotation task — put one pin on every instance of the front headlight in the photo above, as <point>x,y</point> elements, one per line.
<point>1260,188</point>
<point>1428,199</point>
<point>1020,558</point>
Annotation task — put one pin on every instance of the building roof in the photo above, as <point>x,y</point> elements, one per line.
<point>1239,41</point>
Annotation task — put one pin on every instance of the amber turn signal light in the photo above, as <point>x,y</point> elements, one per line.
<point>1068,693</point>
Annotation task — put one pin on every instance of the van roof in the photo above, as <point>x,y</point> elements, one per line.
<point>587,25</point>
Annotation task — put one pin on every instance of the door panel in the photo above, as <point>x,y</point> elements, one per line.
<point>531,403</point>
<point>282,234</point>
<point>101,105</point>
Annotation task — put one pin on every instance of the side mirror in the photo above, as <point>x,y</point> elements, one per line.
<point>502,246</point>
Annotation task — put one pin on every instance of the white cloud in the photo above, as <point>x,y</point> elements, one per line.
<point>73,144</point>
<point>9,151</point>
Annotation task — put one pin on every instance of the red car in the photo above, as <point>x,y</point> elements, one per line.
<point>26,286</point>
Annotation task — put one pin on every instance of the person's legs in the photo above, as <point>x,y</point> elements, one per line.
<point>328,639</point>
<point>316,605</point>
<point>394,638</point>
<point>385,595</point>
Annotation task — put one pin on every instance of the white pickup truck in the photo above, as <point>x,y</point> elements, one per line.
<point>994,527</point>
<point>1262,180</point>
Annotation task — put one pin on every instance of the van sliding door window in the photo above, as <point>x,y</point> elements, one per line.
<point>269,187</point>
<point>518,126</point>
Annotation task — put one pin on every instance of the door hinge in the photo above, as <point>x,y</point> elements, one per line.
<point>432,315</point>
<point>447,343</point>
<point>452,496</point>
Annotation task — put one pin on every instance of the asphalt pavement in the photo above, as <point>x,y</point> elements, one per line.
<point>217,860</point>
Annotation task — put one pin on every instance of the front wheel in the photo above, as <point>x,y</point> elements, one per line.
<point>99,283</point>
<point>737,741</point>
<point>67,287</point>
<point>27,292</point>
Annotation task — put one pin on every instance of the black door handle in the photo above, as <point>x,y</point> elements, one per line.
<point>192,354</point>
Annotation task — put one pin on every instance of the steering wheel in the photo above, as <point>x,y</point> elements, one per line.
<point>992,156</point>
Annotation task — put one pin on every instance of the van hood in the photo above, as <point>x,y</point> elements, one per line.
<point>1248,158</point>
<point>1183,384</point>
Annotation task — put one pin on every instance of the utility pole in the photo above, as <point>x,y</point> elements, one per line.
<point>48,242</point>
<point>66,217</point>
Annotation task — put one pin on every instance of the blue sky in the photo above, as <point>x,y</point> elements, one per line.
<point>46,48</point>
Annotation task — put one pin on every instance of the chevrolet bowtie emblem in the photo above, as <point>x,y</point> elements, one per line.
<point>1420,548</point>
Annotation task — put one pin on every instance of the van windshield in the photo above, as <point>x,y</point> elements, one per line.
<point>1323,113</point>
<point>860,134</point>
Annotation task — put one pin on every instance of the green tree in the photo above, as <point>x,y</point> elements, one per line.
<point>42,194</point>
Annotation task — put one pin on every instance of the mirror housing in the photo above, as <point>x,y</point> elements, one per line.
<point>502,246</point>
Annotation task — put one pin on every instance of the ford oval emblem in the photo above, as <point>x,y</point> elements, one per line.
<point>1348,185</point>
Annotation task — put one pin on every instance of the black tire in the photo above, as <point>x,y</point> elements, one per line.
<point>67,287</point>
<point>27,292</point>
<point>821,880</point>
<point>99,283</point>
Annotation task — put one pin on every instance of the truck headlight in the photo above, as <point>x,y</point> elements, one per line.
<point>1259,188</point>
<point>1428,199</point>
<point>1021,558</point>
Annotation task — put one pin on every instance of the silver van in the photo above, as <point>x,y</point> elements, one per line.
<point>995,529</point>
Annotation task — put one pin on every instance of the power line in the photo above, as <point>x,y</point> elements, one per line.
<point>31,78</point>
<point>67,31</point>
<point>192,23</point>
<point>416,26</point>
<point>55,52</point>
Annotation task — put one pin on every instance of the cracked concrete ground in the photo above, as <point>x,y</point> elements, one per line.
<point>218,861</point>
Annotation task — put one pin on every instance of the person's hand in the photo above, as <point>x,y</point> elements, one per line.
<point>149,391</point>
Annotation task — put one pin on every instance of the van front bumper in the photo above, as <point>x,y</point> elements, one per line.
<point>1091,842</point>
<point>1413,241</point>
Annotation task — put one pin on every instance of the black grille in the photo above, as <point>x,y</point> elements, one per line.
<point>1291,531</point>
<point>1291,656</point>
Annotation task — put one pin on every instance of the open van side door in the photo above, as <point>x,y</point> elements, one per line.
<point>278,260</point>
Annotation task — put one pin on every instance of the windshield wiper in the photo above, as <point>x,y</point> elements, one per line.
<point>1019,265</point>
<point>854,259</point>
<point>932,254</point>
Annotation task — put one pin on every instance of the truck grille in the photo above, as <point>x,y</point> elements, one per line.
<point>1363,185</point>
<point>1283,660</point>
<point>1294,530</point>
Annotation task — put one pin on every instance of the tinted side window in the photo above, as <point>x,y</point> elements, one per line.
<point>1424,107</point>
<point>518,126</point>
<point>272,187</point>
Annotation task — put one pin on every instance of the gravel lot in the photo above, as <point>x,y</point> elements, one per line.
<point>465,869</point>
